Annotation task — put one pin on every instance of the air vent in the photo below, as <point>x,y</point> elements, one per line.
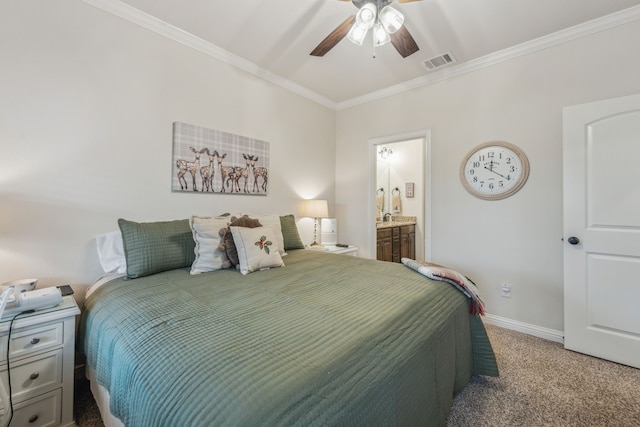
<point>439,61</point>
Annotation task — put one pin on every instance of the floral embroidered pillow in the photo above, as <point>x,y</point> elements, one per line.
<point>257,248</point>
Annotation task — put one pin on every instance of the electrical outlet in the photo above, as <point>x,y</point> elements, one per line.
<point>506,290</point>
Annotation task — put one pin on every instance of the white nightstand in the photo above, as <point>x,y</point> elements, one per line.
<point>41,357</point>
<point>351,250</point>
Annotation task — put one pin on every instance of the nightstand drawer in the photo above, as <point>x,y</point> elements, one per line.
<point>41,411</point>
<point>34,375</point>
<point>32,340</point>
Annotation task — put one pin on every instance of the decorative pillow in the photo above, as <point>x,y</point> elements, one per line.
<point>153,247</point>
<point>257,248</point>
<point>111,252</point>
<point>209,251</point>
<point>273,221</point>
<point>290,233</point>
<point>229,245</point>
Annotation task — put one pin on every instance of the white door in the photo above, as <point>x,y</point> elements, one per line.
<point>601,156</point>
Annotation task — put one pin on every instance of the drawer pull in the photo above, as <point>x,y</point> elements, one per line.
<point>35,341</point>
<point>34,376</point>
<point>33,418</point>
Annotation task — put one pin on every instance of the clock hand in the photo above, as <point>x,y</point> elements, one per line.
<point>491,170</point>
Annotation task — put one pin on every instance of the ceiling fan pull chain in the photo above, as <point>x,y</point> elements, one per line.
<point>373,36</point>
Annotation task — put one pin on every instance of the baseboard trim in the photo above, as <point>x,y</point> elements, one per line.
<point>526,328</point>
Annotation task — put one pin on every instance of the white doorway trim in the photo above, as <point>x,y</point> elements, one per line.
<point>370,223</point>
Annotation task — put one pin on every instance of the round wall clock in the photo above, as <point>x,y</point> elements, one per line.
<point>494,170</point>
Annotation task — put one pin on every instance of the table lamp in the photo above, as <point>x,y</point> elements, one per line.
<point>316,209</point>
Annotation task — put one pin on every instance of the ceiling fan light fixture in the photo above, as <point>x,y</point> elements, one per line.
<point>380,35</point>
<point>357,34</point>
<point>389,25</point>
<point>391,19</point>
<point>366,16</point>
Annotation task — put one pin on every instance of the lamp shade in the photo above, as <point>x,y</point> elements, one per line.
<point>357,34</point>
<point>366,16</point>
<point>391,19</point>
<point>380,36</point>
<point>316,209</point>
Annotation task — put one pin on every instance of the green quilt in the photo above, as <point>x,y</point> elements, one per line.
<point>326,340</point>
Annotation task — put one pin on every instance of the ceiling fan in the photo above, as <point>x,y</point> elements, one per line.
<point>386,22</point>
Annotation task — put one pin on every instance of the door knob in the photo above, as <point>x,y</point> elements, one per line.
<point>573,240</point>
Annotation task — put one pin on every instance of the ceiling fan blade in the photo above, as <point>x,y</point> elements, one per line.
<point>403,42</point>
<point>332,39</point>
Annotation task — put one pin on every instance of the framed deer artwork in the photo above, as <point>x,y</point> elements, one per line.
<point>212,161</point>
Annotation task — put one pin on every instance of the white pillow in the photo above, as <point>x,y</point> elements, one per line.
<point>206,234</point>
<point>111,252</point>
<point>257,248</point>
<point>273,221</point>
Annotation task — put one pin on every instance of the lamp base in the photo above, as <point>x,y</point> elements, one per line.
<point>315,234</point>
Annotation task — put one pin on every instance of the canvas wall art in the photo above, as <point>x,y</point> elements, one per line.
<point>212,161</point>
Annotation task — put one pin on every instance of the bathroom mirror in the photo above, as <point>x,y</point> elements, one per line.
<point>383,189</point>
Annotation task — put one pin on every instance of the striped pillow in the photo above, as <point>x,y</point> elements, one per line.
<point>290,233</point>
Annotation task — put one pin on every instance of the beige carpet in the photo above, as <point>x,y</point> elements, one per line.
<point>541,384</point>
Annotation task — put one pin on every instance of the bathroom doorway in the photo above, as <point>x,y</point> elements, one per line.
<point>400,186</point>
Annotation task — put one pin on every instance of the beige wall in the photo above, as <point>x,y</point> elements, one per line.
<point>86,110</point>
<point>516,240</point>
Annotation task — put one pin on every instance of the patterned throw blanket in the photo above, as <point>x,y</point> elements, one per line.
<point>459,281</point>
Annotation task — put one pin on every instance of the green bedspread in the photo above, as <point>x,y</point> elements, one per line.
<point>326,340</point>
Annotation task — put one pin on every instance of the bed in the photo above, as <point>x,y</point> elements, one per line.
<point>324,340</point>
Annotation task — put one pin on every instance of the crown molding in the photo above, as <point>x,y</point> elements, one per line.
<point>136,16</point>
<point>582,30</point>
<point>156,25</point>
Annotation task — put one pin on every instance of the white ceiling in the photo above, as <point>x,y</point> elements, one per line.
<point>277,35</point>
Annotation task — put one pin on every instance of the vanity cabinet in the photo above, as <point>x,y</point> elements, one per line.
<point>396,242</point>
<point>384,244</point>
<point>407,242</point>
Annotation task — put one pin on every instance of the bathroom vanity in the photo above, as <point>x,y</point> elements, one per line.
<point>396,239</point>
